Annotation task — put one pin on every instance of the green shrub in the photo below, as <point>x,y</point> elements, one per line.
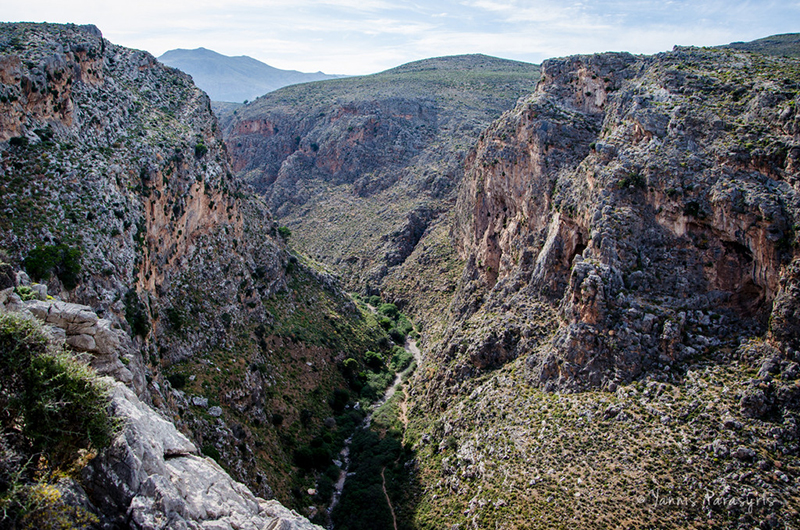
<point>284,232</point>
<point>390,310</point>
<point>324,488</point>
<point>136,314</point>
<point>404,325</point>
<point>314,456</point>
<point>25,293</point>
<point>42,507</point>
<point>57,403</point>
<point>374,360</point>
<point>632,180</point>
<point>176,318</point>
<point>374,300</point>
<point>19,141</point>
<point>400,359</point>
<point>375,384</point>
<point>350,365</point>
<point>177,381</point>
<point>45,260</point>
<point>339,400</point>
<point>397,336</point>
<point>200,150</point>
<point>211,451</point>
<point>65,408</point>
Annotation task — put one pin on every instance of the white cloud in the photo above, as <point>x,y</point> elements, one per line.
<point>362,36</point>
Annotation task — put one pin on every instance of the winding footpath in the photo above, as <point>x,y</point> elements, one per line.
<point>412,348</point>
<point>389,502</point>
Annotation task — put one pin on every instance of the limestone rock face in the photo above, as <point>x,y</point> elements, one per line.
<point>154,474</point>
<point>126,153</point>
<point>649,201</point>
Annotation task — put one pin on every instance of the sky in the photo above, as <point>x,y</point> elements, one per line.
<point>366,36</point>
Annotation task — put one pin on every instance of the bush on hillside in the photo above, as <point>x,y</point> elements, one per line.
<point>58,401</point>
<point>45,260</point>
<point>390,310</point>
<point>53,411</point>
<point>374,360</point>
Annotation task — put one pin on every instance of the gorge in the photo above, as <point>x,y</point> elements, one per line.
<point>597,257</point>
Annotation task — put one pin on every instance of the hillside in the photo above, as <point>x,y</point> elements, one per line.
<point>234,79</point>
<point>622,344</point>
<point>600,255</point>
<point>786,45</point>
<point>116,195</point>
<point>607,310</point>
<point>360,168</point>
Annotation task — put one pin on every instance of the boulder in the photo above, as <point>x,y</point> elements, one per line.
<point>84,331</point>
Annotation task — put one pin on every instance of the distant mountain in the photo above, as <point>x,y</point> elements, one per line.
<point>234,78</point>
<point>787,45</point>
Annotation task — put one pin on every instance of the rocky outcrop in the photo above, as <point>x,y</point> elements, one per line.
<point>106,143</point>
<point>80,328</point>
<point>651,200</point>
<point>154,475</point>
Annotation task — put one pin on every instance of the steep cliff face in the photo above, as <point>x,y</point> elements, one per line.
<point>621,347</point>
<point>651,201</point>
<point>131,168</point>
<point>116,193</point>
<point>359,168</point>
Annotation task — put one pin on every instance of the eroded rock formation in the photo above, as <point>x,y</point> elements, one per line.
<point>650,200</point>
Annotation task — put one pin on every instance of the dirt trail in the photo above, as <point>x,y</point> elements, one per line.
<point>411,347</point>
<point>391,508</point>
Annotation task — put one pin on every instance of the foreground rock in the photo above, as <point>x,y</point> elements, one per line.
<point>154,476</point>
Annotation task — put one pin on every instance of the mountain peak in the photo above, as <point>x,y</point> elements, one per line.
<point>234,79</point>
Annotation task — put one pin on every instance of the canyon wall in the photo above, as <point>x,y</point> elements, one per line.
<point>649,202</point>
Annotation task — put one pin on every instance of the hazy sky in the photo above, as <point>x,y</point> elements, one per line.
<point>365,36</point>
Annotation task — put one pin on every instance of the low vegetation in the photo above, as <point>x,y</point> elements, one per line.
<point>44,261</point>
<point>54,418</point>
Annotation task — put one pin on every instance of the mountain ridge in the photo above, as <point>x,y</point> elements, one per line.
<point>234,78</point>
<point>785,44</point>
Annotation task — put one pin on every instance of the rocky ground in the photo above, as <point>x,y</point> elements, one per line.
<point>712,446</point>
